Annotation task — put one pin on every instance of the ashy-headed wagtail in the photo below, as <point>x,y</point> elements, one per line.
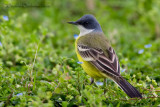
<point>98,58</point>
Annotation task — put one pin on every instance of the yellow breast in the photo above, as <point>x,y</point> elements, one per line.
<point>88,67</point>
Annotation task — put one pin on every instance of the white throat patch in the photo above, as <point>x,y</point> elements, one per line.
<point>84,31</point>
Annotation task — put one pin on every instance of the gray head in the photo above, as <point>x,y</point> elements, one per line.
<point>86,24</point>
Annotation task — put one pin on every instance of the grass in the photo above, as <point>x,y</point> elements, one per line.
<point>38,64</point>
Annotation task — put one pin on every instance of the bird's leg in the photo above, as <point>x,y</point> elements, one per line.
<point>104,85</point>
<point>92,81</point>
<point>105,82</point>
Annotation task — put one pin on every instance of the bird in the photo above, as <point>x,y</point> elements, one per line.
<point>98,58</point>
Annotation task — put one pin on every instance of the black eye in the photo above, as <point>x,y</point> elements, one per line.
<point>85,23</point>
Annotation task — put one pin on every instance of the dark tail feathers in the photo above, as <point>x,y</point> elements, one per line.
<point>128,88</point>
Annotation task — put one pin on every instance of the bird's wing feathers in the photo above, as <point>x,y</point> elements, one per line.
<point>96,56</point>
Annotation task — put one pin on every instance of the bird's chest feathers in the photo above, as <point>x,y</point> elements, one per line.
<point>88,67</point>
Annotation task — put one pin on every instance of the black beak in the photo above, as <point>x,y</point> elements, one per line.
<point>73,23</point>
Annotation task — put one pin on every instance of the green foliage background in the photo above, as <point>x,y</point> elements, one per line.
<point>38,64</point>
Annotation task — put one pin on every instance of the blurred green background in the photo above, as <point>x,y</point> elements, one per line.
<point>38,64</point>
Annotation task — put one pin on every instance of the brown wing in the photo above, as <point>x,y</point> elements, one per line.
<point>108,65</point>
